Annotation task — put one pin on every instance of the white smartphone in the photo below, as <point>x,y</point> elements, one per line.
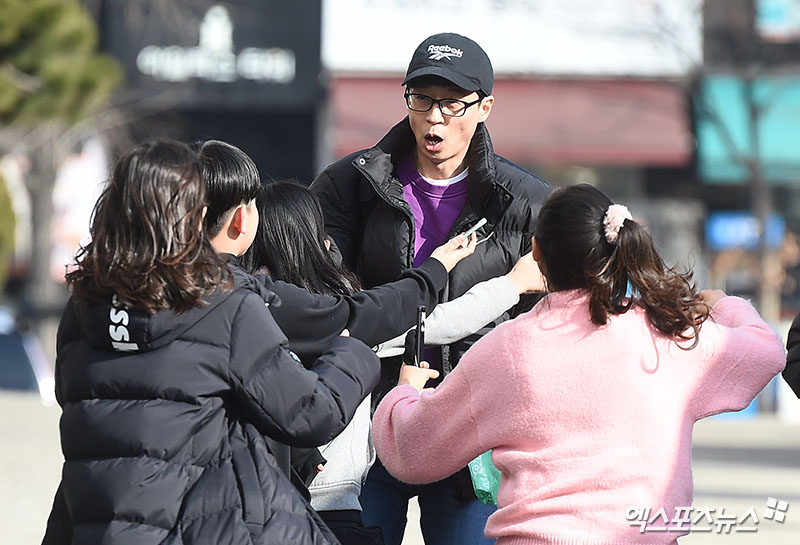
<point>481,223</point>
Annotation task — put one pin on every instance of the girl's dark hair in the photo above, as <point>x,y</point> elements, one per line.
<point>147,247</point>
<point>290,242</point>
<point>576,255</point>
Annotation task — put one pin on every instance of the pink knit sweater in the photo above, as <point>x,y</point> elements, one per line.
<point>586,422</point>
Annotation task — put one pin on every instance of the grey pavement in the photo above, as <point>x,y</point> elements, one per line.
<point>30,466</point>
<point>738,465</point>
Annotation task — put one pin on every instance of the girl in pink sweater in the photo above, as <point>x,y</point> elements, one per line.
<point>588,400</point>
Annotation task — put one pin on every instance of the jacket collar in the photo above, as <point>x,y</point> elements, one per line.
<point>243,279</point>
<point>486,197</point>
<point>114,328</point>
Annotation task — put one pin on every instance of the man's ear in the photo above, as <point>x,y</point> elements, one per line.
<point>485,108</point>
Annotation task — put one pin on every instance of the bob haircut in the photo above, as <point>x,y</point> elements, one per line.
<point>148,248</point>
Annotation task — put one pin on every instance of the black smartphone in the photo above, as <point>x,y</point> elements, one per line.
<point>419,340</point>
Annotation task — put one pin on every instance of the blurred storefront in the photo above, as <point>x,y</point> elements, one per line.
<point>245,71</point>
<point>747,119</point>
<point>541,121</point>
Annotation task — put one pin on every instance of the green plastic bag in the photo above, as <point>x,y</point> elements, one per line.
<point>485,478</point>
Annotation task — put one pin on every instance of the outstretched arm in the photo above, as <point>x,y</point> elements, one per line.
<point>415,434</point>
<point>285,401</point>
<point>424,437</point>
<point>463,316</point>
<point>311,321</point>
<point>743,353</point>
<point>484,302</point>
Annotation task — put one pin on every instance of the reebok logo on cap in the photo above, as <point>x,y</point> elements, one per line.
<point>455,58</point>
<point>439,52</point>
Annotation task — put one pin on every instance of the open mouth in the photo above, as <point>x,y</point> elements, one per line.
<point>433,142</point>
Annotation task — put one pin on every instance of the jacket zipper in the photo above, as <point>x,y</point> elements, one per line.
<point>359,164</point>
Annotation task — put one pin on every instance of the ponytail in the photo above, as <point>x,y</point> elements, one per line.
<point>637,275</point>
<point>587,242</point>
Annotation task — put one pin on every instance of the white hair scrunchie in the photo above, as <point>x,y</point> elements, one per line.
<point>613,220</point>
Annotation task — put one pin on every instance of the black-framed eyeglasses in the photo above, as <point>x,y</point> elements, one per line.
<point>451,107</point>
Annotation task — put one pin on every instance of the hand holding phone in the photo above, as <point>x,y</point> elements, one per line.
<point>417,377</point>
<point>419,340</point>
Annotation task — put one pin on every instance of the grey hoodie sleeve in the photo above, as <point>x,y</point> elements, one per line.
<point>463,316</point>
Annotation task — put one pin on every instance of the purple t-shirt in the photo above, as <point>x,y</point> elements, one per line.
<point>435,205</point>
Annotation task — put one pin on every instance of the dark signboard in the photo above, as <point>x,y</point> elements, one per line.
<point>228,54</point>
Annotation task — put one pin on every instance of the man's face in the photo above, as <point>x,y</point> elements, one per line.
<point>442,141</point>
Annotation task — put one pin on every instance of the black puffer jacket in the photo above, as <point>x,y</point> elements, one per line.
<point>366,214</point>
<point>791,374</point>
<point>163,437</point>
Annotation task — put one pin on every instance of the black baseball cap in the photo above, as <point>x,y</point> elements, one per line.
<point>455,58</point>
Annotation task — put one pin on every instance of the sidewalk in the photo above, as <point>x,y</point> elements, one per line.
<point>738,463</point>
<point>30,466</point>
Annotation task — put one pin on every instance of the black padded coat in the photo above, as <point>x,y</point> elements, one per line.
<point>163,434</point>
<point>373,226</point>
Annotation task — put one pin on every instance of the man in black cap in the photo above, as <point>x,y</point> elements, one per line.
<point>432,176</point>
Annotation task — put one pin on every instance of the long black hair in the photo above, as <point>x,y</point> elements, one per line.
<point>147,245</point>
<point>290,242</point>
<point>576,254</point>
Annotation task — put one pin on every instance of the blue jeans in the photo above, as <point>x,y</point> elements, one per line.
<point>444,519</point>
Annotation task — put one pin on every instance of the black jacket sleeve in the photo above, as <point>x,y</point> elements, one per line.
<point>285,401</point>
<point>305,462</point>
<point>312,321</point>
<point>791,374</point>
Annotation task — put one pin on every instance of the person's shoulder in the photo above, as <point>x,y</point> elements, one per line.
<point>519,180</point>
<point>259,285</point>
<point>341,165</point>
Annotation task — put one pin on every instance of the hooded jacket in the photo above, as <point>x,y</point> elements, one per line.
<point>165,417</point>
<point>373,226</point>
